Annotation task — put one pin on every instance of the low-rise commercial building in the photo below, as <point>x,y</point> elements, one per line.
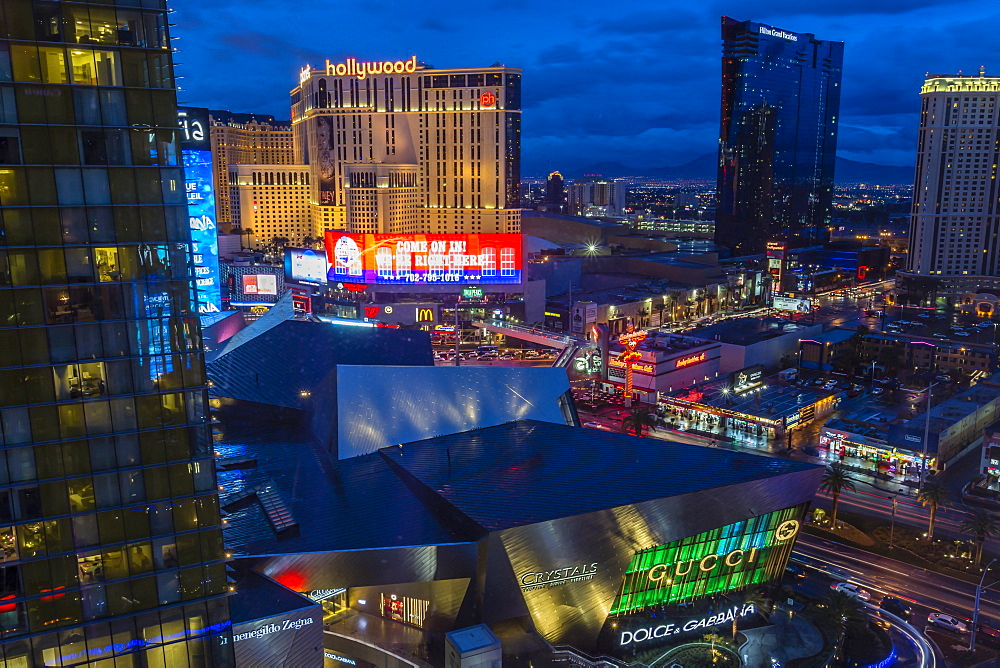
<point>749,341</point>
<point>745,403</point>
<point>954,424</point>
<point>932,353</point>
<point>861,439</point>
<point>667,362</point>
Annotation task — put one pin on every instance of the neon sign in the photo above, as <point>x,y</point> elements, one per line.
<point>732,557</point>
<point>487,99</point>
<point>637,366</point>
<point>693,359</point>
<point>352,67</point>
<point>651,633</point>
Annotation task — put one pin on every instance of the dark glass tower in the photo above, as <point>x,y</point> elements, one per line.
<point>555,193</point>
<point>778,140</point>
<point>110,539</point>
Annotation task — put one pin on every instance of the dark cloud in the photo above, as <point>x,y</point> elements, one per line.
<point>634,83</point>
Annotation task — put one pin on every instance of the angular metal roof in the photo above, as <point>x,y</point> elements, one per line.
<point>528,471</point>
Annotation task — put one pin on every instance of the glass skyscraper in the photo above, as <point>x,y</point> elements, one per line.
<point>110,534</point>
<point>778,140</point>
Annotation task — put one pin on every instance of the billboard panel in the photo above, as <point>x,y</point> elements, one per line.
<point>489,259</point>
<point>202,222</point>
<point>260,284</point>
<point>792,304</point>
<point>731,557</point>
<point>305,265</point>
<point>746,379</point>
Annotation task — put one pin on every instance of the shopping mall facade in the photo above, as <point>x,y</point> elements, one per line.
<point>500,526</point>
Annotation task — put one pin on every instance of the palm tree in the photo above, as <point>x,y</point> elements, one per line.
<point>931,496</point>
<point>638,420</point>
<point>841,611</point>
<point>835,480</point>
<point>979,527</point>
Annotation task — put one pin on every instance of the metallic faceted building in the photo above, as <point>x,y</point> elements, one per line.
<point>109,521</point>
<point>778,136</point>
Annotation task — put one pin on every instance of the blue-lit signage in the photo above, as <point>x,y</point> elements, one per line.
<point>204,236</point>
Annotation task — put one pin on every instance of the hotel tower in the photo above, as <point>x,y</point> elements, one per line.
<point>401,147</point>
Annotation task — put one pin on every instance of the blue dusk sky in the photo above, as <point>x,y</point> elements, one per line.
<point>633,82</point>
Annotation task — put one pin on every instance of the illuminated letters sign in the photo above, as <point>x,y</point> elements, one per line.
<point>654,632</point>
<point>268,629</point>
<point>472,293</point>
<point>774,32</point>
<point>487,99</point>
<point>692,359</point>
<point>363,70</point>
<point>560,576</point>
<point>720,560</point>
<point>493,259</point>
<point>324,594</point>
<point>425,315</point>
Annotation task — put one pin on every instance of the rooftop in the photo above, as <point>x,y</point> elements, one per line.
<point>747,331</point>
<point>769,401</point>
<point>499,477</point>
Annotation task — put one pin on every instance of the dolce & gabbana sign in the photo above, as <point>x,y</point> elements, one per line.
<point>654,632</point>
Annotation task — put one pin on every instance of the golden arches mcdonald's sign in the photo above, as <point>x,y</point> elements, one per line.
<point>425,315</point>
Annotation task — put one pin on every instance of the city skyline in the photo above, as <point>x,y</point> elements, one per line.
<point>571,63</point>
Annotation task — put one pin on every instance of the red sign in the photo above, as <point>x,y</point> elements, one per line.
<point>487,99</point>
<point>372,311</point>
<point>692,359</point>
<point>417,259</point>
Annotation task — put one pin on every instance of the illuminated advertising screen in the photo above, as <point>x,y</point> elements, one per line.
<point>791,304</point>
<point>305,265</point>
<point>260,284</point>
<point>197,156</point>
<point>488,259</point>
<point>746,379</point>
<point>204,237</point>
<point>731,557</point>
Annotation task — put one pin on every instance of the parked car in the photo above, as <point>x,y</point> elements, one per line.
<point>830,385</point>
<point>877,391</point>
<point>949,622</point>
<point>943,378</point>
<point>896,606</point>
<point>852,589</point>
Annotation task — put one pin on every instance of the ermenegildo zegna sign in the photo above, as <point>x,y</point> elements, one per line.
<point>291,639</point>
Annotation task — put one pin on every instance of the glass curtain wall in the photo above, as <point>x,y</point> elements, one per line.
<point>110,535</point>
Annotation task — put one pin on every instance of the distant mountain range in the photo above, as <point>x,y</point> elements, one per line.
<point>704,168</point>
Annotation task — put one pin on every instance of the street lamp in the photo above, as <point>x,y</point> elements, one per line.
<point>975,609</point>
<point>923,443</point>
